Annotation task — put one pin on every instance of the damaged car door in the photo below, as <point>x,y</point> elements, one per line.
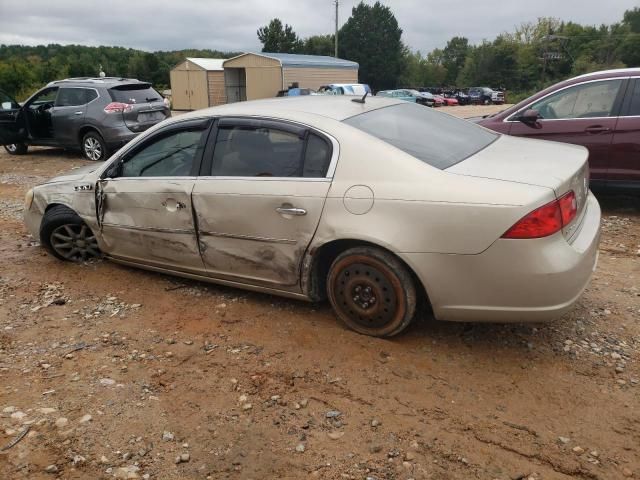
<point>144,199</point>
<point>259,199</point>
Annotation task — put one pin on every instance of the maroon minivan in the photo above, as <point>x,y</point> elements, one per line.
<point>600,110</point>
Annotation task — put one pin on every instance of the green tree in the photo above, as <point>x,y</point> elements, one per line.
<point>454,55</point>
<point>372,37</point>
<point>277,38</point>
<point>319,45</point>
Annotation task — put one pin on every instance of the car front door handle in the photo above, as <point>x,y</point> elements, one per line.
<point>596,129</point>
<point>286,210</point>
<point>77,113</point>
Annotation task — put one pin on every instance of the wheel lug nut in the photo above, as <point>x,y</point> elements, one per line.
<point>365,305</point>
<point>358,288</point>
<point>372,300</point>
<point>356,298</point>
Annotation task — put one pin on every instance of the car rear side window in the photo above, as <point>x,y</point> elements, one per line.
<point>587,100</point>
<point>317,157</point>
<point>634,108</point>
<point>248,151</point>
<point>134,93</point>
<point>73,97</point>
<point>437,139</point>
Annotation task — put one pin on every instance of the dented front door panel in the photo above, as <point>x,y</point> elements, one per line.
<point>149,220</point>
<point>257,229</point>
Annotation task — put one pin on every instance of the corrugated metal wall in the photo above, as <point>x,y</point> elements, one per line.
<point>216,88</point>
<point>317,77</point>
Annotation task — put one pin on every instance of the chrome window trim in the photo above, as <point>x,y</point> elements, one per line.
<point>173,178</point>
<point>268,179</point>
<point>509,118</point>
<point>333,163</point>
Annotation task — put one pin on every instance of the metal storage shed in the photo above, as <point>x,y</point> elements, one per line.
<point>197,83</point>
<point>261,75</point>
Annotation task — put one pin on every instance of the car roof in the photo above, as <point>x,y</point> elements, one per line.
<point>334,107</point>
<point>95,81</point>
<point>616,72</point>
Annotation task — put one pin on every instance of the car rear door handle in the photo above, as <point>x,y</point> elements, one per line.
<point>77,113</point>
<point>285,210</point>
<point>596,129</point>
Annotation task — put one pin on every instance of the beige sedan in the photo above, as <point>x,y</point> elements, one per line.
<point>379,206</point>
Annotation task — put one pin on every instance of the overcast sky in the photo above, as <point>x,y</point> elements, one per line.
<point>230,25</point>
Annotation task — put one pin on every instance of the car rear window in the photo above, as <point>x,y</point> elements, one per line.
<point>136,93</point>
<point>438,139</point>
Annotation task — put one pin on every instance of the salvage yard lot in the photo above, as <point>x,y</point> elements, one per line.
<point>121,372</point>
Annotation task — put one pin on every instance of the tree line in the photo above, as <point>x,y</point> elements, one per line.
<point>25,69</point>
<point>531,57</point>
<point>534,55</point>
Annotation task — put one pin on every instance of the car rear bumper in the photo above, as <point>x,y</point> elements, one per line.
<point>513,280</point>
<point>116,137</point>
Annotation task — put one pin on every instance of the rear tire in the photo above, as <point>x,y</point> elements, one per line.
<point>372,292</point>
<point>16,148</point>
<point>65,235</point>
<point>93,147</point>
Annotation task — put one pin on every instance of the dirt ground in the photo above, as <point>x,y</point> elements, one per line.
<point>122,373</point>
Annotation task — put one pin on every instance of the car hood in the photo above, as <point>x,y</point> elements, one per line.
<point>75,174</point>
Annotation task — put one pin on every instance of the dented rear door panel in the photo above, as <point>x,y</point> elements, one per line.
<point>257,229</point>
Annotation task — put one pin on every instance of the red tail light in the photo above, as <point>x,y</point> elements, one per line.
<point>118,107</point>
<point>546,220</point>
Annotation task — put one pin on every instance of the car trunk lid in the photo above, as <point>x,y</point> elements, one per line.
<point>561,167</point>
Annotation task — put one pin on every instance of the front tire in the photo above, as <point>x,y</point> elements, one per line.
<point>93,147</point>
<point>372,292</point>
<point>65,235</point>
<point>16,148</point>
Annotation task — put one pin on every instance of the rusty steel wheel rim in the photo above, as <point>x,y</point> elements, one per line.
<point>366,293</point>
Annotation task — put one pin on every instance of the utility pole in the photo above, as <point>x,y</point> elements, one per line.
<point>337,2</point>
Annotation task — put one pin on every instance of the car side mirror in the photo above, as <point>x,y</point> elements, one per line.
<point>7,106</point>
<point>529,116</point>
<point>114,170</point>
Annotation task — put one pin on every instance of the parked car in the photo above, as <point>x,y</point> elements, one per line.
<point>345,89</point>
<point>409,95</point>
<point>438,101</point>
<point>403,95</point>
<point>378,205</point>
<point>486,96</point>
<point>449,101</point>
<point>296,91</point>
<point>98,115</point>
<point>600,111</point>
<point>460,96</point>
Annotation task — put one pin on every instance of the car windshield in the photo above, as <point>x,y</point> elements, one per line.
<point>437,139</point>
<point>137,93</point>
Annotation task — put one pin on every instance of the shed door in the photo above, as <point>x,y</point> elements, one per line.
<point>180,90</point>
<point>198,90</point>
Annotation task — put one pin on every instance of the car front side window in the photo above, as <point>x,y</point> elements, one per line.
<point>172,155</point>
<point>589,100</point>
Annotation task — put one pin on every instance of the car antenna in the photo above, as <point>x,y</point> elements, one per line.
<point>360,100</point>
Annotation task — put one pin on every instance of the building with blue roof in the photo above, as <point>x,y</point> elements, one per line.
<point>251,76</point>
